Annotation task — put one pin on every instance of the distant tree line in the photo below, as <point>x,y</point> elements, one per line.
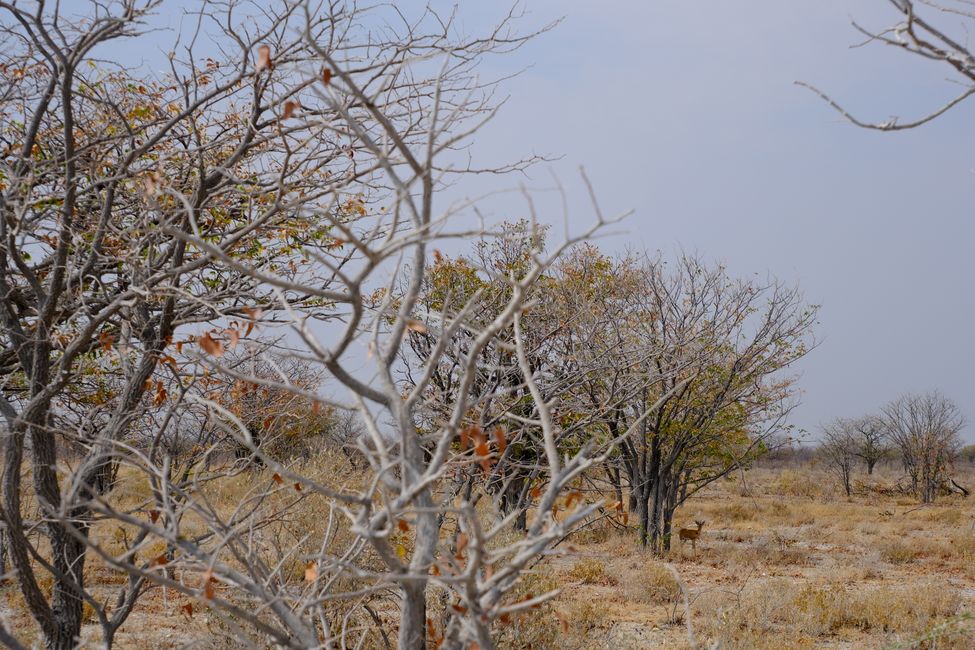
<point>922,431</point>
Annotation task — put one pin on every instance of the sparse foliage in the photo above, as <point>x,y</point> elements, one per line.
<point>840,448</point>
<point>925,431</point>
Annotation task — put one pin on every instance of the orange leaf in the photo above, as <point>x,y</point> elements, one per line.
<point>106,340</point>
<point>482,448</point>
<point>536,491</point>
<point>234,337</point>
<point>253,313</point>
<point>277,478</point>
<point>402,525</point>
<point>297,487</point>
<point>208,581</point>
<point>263,58</point>
<point>326,76</point>
<point>210,345</point>
<point>161,394</point>
<point>289,109</point>
<point>573,497</point>
<point>187,609</point>
<point>311,572</point>
<point>460,609</point>
<point>153,515</point>
<point>160,561</point>
<point>500,440</point>
<point>462,541</point>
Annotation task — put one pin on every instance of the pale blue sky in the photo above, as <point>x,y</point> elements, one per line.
<point>685,110</point>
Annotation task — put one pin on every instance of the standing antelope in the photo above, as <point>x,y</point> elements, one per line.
<point>691,534</point>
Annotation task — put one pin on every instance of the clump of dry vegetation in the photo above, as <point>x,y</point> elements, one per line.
<point>778,571</point>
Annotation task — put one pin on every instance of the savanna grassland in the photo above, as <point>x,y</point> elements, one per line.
<point>784,561</point>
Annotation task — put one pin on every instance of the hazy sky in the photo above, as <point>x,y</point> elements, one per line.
<point>686,111</point>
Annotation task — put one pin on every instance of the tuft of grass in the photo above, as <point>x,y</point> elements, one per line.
<point>899,551</point>
<point>592,572</point>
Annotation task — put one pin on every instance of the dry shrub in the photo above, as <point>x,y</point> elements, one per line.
<point>596,533</point>
<point>560,623</point>
<point>739,511</point>
<point>651,584</point>
<point>592,572</point>
<point>583,618</point>
<point>798,484</point>
<point>962,546</point>
<point>948,516</point>
<point>793,615</point>
<point>534,628</point>
<point>899,551</point>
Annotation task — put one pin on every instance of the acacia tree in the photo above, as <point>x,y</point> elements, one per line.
<point>925,431</point>
<point>576,334</point>
<point>712,415</point>
<point>870,440</point>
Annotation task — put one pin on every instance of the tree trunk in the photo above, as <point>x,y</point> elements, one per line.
<point>617,483</point>
<point>643,515</point>
<point>3,551</point>
<point>513,498</point>
<point>413,618</point>
<point>68,555</point>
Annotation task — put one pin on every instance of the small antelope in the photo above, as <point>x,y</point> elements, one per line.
<point>691,534</point>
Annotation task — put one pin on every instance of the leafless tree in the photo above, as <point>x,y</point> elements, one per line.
<point>839,447</point>
<point>871,441</point>
<point>925,430</point>
<point>936,31</point>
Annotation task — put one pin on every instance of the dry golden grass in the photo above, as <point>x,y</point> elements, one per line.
<point>785,561</point>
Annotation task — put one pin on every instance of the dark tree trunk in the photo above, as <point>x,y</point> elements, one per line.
<point>616,481</point>
<point>3,551</point>
<point>643,515</point>
<point>67,604</point>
